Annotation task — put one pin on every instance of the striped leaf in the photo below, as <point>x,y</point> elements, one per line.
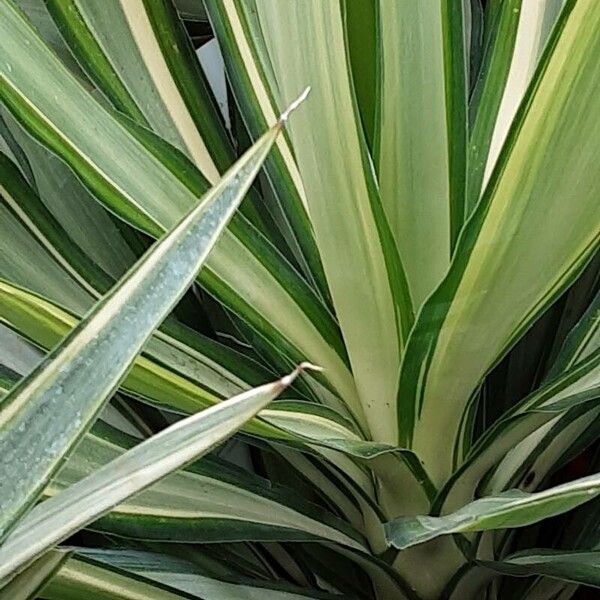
<point>58,517</point>
<point>186,379</point>
<point>513,508</point>
<point>130,575</point>
<point>182,377</point>
<point>420,148</point>
<point>535,22</point>
<point>575,566</point>
<point>249,72</point>
<point>164,90</point>
<point>583,340</point>
<point>129,173</point>
<point>38,14</point>
<point>488,92</point>
<point>49,263</point>
<point>211,501</point>
<point>343,201</point>
<point>570,396</point>
<point>81,577</point>
<point>85,221</point>
<point>28,584</point>
<point>523,245</point>
<point>45,415</point>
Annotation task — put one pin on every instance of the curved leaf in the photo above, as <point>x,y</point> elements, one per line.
<point>569,396</point>
<point>513,508</point>
<point>522,246</point>
<point>245,271</point>
<point>576,567</point>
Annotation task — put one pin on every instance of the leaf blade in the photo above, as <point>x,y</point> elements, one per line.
<point>246,273</point>
<point>575,566</point>
<point>97,354</point>
<point>503,276</point>
<point>513,508</point>
<point>374,318</point>
<point>58,517</point>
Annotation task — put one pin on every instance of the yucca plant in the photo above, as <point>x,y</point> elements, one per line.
<point>424,230</point>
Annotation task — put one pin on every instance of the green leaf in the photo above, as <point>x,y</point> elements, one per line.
<point>38,14</point>
<point>84,220</point>
<point>250,74</point>
<point>10,147</point>
<point>8,378</point>
<point>583,340</point>
<point>136,574</point>
<point>181,372</point>
<point>58,517</point>
<point>245,272</point>
<point>456,79</point>
<point>488,92</point>
<point>49,263</point>
<point>45,415</point>
<point>569,397</point>
<point>536,20</point>
<point>81,577</point>
<point>17,357</point>
<point>28,584</point>
<point>352,230</point>
<point>412,142</point>
<point>169,87</point>
<point>24,259</point>
<point>513,508</point>
<point>576,567</point>
<point>51,244</point>
<point>363,45</point>
<point>210,501</point>
<point>163,90</point>
<point>523,245</point>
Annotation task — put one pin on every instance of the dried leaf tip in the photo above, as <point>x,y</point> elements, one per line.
<point>304,366</point>
<point>293,106</point>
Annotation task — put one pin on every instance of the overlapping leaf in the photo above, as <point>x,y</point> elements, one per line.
<point>522,246</point>
<point>78,377</point>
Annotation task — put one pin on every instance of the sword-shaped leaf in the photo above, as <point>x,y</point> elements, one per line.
<point>60,516</point>
<point>359,255</point>
<point>132,175</point>
<point>29,583</point>
<point>526,241</point>
<point>46,414</point>
<point>134,574</point>
<point>420,154</point>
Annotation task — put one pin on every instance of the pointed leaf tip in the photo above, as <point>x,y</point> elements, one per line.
<point>303,366</point>
<point>293,106</point>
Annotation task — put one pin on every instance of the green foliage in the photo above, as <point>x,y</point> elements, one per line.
<point>425,229</point>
